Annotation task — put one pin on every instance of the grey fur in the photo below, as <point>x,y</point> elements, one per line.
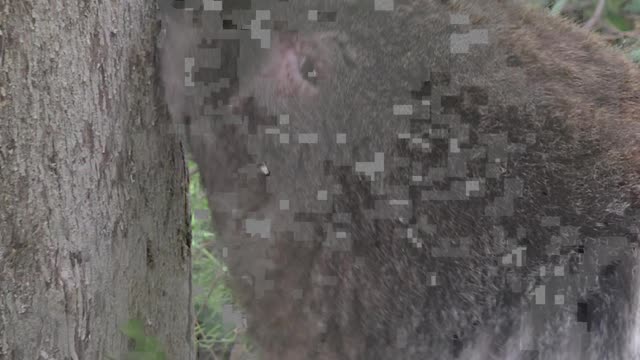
<point>453,150</point>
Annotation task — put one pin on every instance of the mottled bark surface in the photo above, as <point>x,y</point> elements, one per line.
<point>94,221</point>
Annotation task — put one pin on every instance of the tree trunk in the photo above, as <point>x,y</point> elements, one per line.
<point>94,220</point>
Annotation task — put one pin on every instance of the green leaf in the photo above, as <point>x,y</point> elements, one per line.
<point>632,7</point>
<point>619,22</point>
<point>134,329</point>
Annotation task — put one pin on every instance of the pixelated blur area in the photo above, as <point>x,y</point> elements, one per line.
<point>403,180</point>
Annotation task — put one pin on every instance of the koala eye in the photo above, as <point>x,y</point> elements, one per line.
<point>308,70</point>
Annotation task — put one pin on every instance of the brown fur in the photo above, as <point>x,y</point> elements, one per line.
<point>543,79</point>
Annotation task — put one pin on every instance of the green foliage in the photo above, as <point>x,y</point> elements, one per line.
<point>616,16</point>
<point>632,7</point>
<point>617,22</point>
<point>145,347</point>
<point>556,9</point>
<point>635,55</point>
<point>209,274</point>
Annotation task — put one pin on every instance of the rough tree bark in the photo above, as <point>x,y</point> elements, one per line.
<point>94,221</point>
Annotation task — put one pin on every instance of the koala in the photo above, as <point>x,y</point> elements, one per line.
<point>415,179</point>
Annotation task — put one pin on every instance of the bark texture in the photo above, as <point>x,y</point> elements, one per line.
<point>94,218</point>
